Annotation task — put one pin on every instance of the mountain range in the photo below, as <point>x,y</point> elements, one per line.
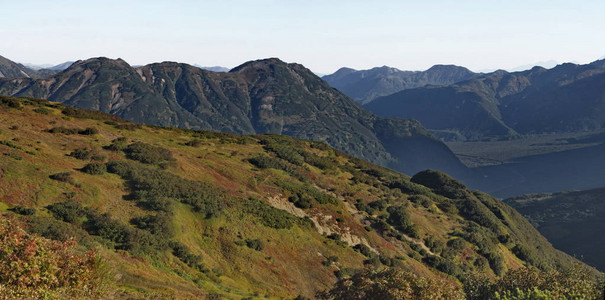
<point>502,105</point>
<point>11,69</point>
<point>364,86</point>
<point>265,96</point>
<point>147,212</point>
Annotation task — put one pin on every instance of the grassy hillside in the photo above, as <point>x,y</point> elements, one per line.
<point>188,214</point>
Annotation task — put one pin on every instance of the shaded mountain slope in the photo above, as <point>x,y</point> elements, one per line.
<point>566,98</point>
<point>12,69</point>
<point>572,221</point>
<point>191,214</point>
<point>265,96</point>
<point>552,172</point>
<point>364,86</point>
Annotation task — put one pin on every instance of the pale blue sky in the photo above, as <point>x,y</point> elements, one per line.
<point>322,35</point>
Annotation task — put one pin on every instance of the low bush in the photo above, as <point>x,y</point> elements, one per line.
<point>159,224</point>
<point>531,283</point>
<point>304,194</point>
<point>64,130</point>
<point>10,144</point>
<point>89,131</point>
<point>269,216</point>
<point>148,154</point>
<point>401,220</point>
<point>22,210</point>
<point>391,283</point>
<point>43,110</point>
<point>89,114</point>
<point>94,168</point>
<point>118,144</point>
<point>63,177</point>
<point>147,184</point>
<point>34,267</point>
<point>10,102</point>
<point>255,244</point>
<point>81,153</point>
<point>182,252</point>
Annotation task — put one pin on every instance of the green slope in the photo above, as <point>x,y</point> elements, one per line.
<point>188,214</point>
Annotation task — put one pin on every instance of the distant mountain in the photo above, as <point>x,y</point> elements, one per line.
<point>12,69</point>
<point>213,69</point>
<point>37,66</point>
<point>265,96</point>
<point>566,98</point>
<point>61,67</point>
<point>366,85</point>
<point>571,221</point>
<point>544,64</point>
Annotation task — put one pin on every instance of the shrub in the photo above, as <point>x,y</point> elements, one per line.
<point>159,224</point>
<point>102,225</point>
<point>441,184</point>
<point>392,284</point>
<point>128,126</point>
<point>10,102</point>
<point>330,260</point>
<point>268,215</point>
<point>34,267</point>
<point>22,210</point>
<point>89,131</point>
<point>69,211</point>
<point>147,184</point>
<point>305,193</point>
<point>94,168</point>
<point>194,143</point>
<point>284,148</point>
<point>63,177</point>
<point>10,144</point>
<point>81,153</point>
<point>148,154</point>
<point>89,114</point>
<point>400,219</point>
<point>442,265</point>
<point>457,244</point>
<point>64,130</point>
<point>182,252</point>
<point>54,229</point>
<point>363,249</point>
<point>161,204</point>
<point>527,282</point>
<point>117,144</point>
<point>255,244</point>
<point>43,110</point>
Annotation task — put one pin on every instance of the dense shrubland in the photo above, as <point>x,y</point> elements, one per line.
<point>35,267</point>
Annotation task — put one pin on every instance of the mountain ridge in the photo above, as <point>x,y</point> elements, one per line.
<point>364,86</point>
<point>263,96</point>
<point>501,98</point>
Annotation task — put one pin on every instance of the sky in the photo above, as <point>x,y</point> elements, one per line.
<point>322,35</point>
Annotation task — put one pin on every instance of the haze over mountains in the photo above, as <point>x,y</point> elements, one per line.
<point>364,86</point>
<point>265,96</point>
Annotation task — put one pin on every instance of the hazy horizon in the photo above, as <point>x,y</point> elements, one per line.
<point>322,36</point>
